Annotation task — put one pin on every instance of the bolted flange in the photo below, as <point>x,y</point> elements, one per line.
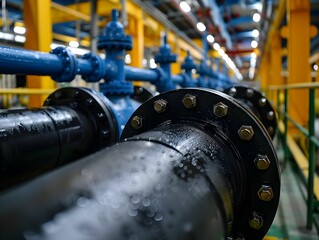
<point>137,122</point>
<point>265,193</point>
<point>189,101</point>
<point>246,132</point>
<point>256,222</point>
<point>160,105</point>
<point>262,162</point>
<point>220,109</point>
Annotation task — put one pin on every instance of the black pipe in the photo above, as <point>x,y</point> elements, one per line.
<point>170,190</point>
<point>75,123</point>
<point>33,141</point>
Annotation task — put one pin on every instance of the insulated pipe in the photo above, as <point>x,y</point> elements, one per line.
<point>186,172</point>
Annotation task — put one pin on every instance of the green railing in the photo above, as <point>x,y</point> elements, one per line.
<point>311,180</point>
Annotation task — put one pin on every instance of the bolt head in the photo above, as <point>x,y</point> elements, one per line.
<point>270,130</point>
<point>220,109</point>
<point>262,162</point>
<point>232,92</point>
<point>265,193</point>
<point>137,122</point>
<point>160,105</point>
<point>249,92</point>
<point>246,132</point>
<point>270,115</point>
<point>189,101</point>
<point>256,222</point>
<point>262,101</point>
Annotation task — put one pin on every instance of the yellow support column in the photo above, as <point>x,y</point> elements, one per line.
<point>264,70</point>
<point>298,34</point>
<point>137,53</point>
<point>37,19</point>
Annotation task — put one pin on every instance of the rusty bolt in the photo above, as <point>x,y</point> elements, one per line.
<point>220,109</point>
<point>137,122</point>
<point>246,132</point>
<point>262,162</point>
<point>160,105</point>
<point>256,222</point>
<point>265,193</point>
<point>189,101</point>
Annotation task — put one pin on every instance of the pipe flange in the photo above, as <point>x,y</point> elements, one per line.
<point>70,65</point>
<point>258,104</point>
<point>244,131</point>
<point>98,66</point>
<point>92,104</point>
<point>142,94</point>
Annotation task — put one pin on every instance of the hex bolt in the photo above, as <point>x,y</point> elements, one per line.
<point>220,109</point>
<point>270,130</point>
<point>262,102</point>
<point>137,122</point>
<point>160,105</point>
<point>265,193</point>
<point>232,92</point>
<point>189,101</point>
<point>256,222</point>
<point>262,162</point>
<point>270,115</point>
<point>249,92</point>
<point>246,132</point>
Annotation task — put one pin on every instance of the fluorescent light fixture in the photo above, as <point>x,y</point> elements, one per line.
<point>19,30</point>
<point>221,52</point>
<point>210,38</point>
<point>201,27</point>
<point>128,59</point>
<point>254,44</point>
<point>216,46</point>
<point>256,17</point>
<point>20,39</point>
<point>255,33</point>
<point>184,6</point>
<point>74,44</point>
<point>6,36</point>
<point>253,55</point>
<point>315,67</point>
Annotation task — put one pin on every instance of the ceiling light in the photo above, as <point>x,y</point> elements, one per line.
<point>19,30</point>
<point>255,33</point>
<point>74,44</point>
<point>19,39</point>
<point>254,44</point>
<point>256,17</point>
<point>253,55</point>
<point>184,6</point>
<point>216,46</point>
<point>221,52</point>
<point>201,27</point>
<point>210,38</point>
<point>315,67</point>
<point>128,59</point>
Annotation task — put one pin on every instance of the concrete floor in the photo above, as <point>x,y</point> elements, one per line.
<point>290,220</point>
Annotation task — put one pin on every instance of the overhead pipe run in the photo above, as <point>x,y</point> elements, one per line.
<point>200,165</point>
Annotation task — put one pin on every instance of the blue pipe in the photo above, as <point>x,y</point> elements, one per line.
<point>132,73</point>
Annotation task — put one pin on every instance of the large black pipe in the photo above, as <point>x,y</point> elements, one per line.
<point>74,123</point>
<point>33,141</point>
<point>175,188</point>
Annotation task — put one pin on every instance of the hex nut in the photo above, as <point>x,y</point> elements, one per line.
<point>265,193</point>
<point>189,101</point>
<point>137,122</point>
<point>249,92</point>
<point>270,115</point>
<point>220,109</point>
<point>262,162</point>
<point>270,130</point>
<point>160,105</point>
<point>256,222</point>
<point>246,132</point>
<point>262,102</point>
<point>232,92</point>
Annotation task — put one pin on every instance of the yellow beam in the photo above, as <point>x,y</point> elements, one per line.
<point>298,16</point>
<point>72,12</point>
<point>37,19</point>
<point>26,91</point>
<point>275,75</point>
